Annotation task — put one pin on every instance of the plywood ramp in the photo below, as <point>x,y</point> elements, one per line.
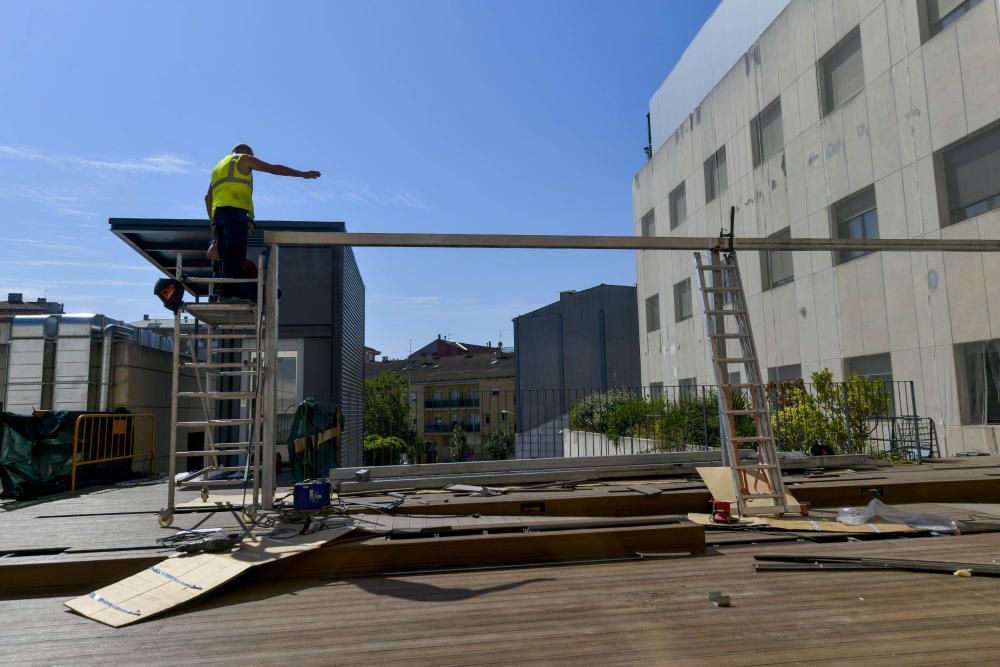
<point>183,578</point>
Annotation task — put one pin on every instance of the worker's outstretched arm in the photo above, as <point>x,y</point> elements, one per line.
<point>208,203</point>
<point>249,162</point>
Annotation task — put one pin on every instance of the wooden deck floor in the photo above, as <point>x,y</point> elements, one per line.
<point>651,612</point>
<point>625,613</point>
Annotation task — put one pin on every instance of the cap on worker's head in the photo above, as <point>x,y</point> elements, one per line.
<point>242,149</point>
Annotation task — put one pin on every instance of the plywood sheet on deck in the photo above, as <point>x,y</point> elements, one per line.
<point>720,484</point>
<point>806,524</point>
<point>180,579</point>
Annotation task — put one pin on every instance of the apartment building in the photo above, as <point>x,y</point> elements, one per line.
<point>836,118</point>
<point>473,391</point>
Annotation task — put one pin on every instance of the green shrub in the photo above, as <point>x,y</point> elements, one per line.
<point>694,421</point>
<point>840,416</point>
<point>617,414</point>
<point>380,451</point>
<point>500,445</point>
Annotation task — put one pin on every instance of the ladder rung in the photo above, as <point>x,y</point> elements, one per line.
<point>216,308</point>
<point>716,267</point>
<point>762,496</point>
<point>730,335</point>
<point>720,289</point>
<point>742,385</point>
<point>214,336</point>
<point>213,364</point>
<point>735,360</point>
<point>746,412</point>
<point>211,482</point>
<point>214,422</point>
<point>214,452</point>
<point>215,469</point>
<point>232,350</point>
<point>725,312</point>
<point>216,394</point>
<point>201,280</point>
<point>750,438</point>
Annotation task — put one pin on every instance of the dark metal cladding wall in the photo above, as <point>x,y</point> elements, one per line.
<point>586,341</point>
<point>351,339</point>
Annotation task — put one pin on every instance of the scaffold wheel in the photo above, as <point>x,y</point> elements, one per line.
<point>165,518</point>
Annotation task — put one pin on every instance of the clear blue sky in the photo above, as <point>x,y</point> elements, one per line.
<point>462,116</point>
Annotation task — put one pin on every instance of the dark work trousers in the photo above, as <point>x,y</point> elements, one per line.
<point>232,226</point>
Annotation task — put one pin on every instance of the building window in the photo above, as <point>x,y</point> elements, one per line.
<point>978,368</point>
<point>776,265</point>
<point>652,313</point>
<point>777,374</point>
<point>942,13</point>
<point>678,206</point>
<point>716,180</point>
<point>855,217</point>
<point>687,388</point>
<point>842,72</point>
<point>765,133</point>
<point>682,300</point>
<point>649,223</point>
<point>874,367</point>
<point>972,175</point>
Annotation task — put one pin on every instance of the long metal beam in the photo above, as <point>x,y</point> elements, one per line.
<point>553,242</point>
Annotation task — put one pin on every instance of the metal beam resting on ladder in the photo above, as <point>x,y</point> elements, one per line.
<point>556,242</point>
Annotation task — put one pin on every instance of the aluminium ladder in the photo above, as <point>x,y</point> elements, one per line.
<point>229,368</point>
<point>759,485</point>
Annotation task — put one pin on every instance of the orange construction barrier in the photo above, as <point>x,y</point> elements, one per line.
<point>98,438</point>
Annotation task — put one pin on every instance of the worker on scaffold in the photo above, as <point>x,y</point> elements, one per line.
<point>229,203</point>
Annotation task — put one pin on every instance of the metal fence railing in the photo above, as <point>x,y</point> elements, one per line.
<point>103,438</point>
<point>856,417</point>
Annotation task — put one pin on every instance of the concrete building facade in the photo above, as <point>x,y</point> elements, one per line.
<point>586,341</point>
<point>843,118</point>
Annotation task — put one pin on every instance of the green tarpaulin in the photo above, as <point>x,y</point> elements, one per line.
<point>314,439</point>
<point>36,456</point>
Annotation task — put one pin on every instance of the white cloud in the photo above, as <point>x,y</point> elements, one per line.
<point>65,204</point>
<point>159,163</point>
<point>88,265</point>
<point>409,200</point>
<point>364,193</point>
<point>43,244</point>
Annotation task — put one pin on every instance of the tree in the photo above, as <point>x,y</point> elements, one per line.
<point>387,415</point>
<point>500,445</point>
<point>458,442</point>
<point>387,410</point>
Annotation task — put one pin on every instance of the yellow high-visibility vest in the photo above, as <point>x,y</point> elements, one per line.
<point>230,187</point>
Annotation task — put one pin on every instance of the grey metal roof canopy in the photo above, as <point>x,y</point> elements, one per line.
<point>285,237</point>
<point>159,240</point>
